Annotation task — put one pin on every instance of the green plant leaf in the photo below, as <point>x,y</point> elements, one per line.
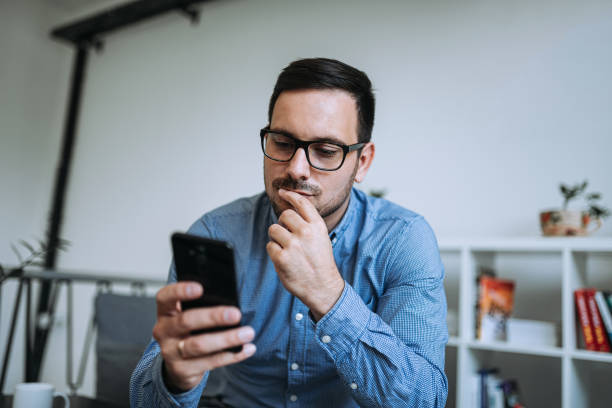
<point>585,183</point>
<point>599,212</point>
<point>593,196</point>
<point>64,242</point>
<point>27,245</point>
<point>19,257</point>
<point>42,244</point>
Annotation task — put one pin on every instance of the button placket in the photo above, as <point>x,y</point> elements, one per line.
<point>297,333</point>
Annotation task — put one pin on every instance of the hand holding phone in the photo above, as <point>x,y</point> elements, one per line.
<point>205,269</point>
<point>210,263</point>
<point>186,358</point>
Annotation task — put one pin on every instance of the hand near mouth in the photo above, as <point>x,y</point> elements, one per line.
<point>302,255</point>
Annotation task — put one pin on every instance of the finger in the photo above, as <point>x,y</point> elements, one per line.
<point>168,296</point>
<point>280,235</point>
<point>200,318</point>
<point>227,357</point>
<point>292,221</point>
<point>274,250</point>
<point>304,207</point>
<point>196,366</point>
<point>210,343</point>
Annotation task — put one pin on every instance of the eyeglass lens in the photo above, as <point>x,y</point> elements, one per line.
<point>321,155</point>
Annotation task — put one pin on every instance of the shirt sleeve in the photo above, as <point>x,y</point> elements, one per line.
<point>394,356</point>
<point>147,388</point>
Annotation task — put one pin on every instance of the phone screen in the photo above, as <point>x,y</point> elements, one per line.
<point>211,263</point>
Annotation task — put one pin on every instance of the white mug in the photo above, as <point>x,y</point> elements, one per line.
<point>36,395</point>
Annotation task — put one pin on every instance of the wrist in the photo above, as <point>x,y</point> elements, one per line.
<point>326,300</point>
<point>173,384</point>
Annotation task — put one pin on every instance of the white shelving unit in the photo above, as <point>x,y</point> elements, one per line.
<point>546,272</point>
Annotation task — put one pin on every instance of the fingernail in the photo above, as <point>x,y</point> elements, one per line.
<point>249,349</point>
<point>246,334</point>
<point>192,290</point>
<point>231,315</point>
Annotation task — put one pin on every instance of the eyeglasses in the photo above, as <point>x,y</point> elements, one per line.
<point>327,156</point>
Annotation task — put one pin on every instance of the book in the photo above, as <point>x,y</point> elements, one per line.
<point>533,332</point>
<point>584,320</point>
<point>608,297</point>
<point>604,311</point>
<point>489,392</point>
<point>495,305</point>
<point>599,331</point>
<point>482,272</point>
<point>511,394</point>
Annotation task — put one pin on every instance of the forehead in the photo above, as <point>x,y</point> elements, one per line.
<point>317,113</point>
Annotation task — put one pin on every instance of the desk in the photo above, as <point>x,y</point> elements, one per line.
<point>77,401</point>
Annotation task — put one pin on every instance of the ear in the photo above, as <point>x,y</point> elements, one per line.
<point>365,160</point>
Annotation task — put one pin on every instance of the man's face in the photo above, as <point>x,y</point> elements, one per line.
<point>315,115</point>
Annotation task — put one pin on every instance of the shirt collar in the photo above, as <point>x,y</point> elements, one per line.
<point>346,220</point>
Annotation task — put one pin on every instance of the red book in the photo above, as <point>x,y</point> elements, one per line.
<point>582,312</point>
<point>599,331</point>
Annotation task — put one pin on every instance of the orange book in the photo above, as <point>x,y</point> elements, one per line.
<point>599,331</point>
<point>582,314</point>
<point>495,305</point>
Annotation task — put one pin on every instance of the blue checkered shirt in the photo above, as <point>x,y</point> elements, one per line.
<point>381,345</point>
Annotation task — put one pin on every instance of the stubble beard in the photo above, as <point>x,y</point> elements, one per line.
<point>325,209</point>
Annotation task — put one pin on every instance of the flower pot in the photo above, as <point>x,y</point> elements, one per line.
<point>556,223</point>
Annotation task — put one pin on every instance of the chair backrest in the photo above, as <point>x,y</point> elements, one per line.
<point>124,326</point>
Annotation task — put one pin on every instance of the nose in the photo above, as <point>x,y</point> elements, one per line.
<point>298,167</point>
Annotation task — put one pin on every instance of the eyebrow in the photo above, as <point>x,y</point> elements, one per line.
<point>330,139</point>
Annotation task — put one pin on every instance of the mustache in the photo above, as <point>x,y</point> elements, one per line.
<point>290,184</point>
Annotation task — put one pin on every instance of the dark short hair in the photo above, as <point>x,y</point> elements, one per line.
<point>325,73</point>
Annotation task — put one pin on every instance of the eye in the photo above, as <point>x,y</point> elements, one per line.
<point>326,150</point>
<point>281,142</point>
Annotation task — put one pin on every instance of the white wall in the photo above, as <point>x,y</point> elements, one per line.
<point>483,108</point>
<point>32,89</point>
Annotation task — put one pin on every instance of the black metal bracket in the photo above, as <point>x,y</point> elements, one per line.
<point>122,16</point>
<point>191,13</point>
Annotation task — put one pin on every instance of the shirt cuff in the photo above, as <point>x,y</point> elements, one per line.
<point>339,330</point>
<point>185,399</point>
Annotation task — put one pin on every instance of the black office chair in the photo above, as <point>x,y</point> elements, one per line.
<point>124,325</point>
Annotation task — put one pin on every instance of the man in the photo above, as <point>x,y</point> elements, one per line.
<point>341,295</point>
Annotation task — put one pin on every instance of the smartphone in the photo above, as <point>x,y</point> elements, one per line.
<point>211,263</point>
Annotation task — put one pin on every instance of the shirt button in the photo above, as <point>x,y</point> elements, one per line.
<point>295,366</point>
<point>293,398</point>
<point>299,316</point>
<point>326,339</point>
<point>353,386</point>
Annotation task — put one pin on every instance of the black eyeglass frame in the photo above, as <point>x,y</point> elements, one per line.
<point>346,149</point>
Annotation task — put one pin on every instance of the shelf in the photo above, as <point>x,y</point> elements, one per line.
<point>504,347</point>
<point>517,349</point>
<point>529,244</point>
<point>546,272</point>
<point>591,356</point>
<point>453,341</point>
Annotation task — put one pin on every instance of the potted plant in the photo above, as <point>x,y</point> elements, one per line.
<point>566,222</point>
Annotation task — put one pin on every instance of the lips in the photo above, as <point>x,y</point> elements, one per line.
<point>302,193</point>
